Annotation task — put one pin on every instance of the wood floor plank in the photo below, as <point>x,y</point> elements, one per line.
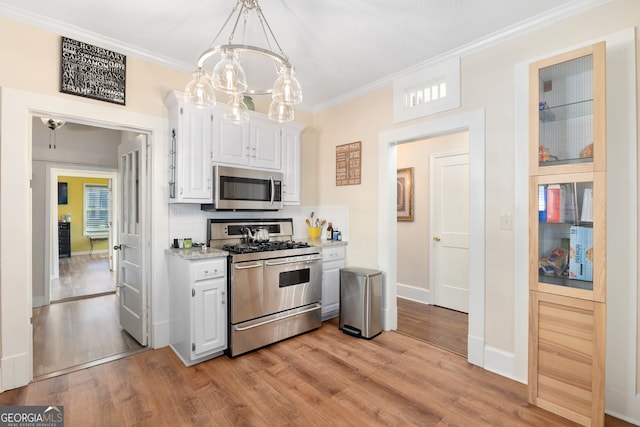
<point>439,326</point>
<point>76,332</point>
<point>321,378</point>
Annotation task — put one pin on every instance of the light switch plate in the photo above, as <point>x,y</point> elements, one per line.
<point>506,221</point>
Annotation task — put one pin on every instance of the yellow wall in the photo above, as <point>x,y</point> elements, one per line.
<point>75,208</point>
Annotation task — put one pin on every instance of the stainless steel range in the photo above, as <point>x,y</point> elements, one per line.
<point>275,284</point>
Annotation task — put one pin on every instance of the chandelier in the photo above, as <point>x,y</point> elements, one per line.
<point>228,75</point>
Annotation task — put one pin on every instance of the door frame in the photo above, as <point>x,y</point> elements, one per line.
<point>432,203</point>
<point>51,190</point>
<point>18,107</point>
<point>474,123</point>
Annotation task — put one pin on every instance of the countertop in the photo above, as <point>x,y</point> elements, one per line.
<point>196,253</point>
<point>324,242</point>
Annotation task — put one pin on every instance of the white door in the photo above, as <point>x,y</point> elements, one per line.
<point>131,250</point>
<point>450,231</point>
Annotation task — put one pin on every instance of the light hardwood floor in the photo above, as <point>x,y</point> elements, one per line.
<point>82,275</point>
<point>444,328</point>
<point>322,378</point>
<point>79,329</point>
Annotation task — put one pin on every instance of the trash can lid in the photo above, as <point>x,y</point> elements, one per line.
<point>360,271</point>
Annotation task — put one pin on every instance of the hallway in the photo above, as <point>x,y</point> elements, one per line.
<point>83,326</point>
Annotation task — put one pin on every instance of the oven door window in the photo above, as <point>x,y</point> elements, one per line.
<point>295,277</point>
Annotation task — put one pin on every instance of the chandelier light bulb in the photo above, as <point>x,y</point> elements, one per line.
<point>287,88</point>
<point>281,112</point>
<point>199,91</point>
<point>236,111</point>
<point>228,74</point>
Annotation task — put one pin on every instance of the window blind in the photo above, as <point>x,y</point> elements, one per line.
<point>96,209</point>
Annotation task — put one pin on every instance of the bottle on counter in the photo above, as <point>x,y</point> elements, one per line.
<point>330,231</point>
<point>336,233</point>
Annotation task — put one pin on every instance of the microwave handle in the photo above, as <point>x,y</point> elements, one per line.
<point>273,190</point>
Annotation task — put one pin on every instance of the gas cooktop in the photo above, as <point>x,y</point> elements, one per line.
<point>245,248</point>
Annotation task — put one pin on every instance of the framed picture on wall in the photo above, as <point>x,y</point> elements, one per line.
<point>405,194</point>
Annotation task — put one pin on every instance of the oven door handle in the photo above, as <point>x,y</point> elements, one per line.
<point>295,261</point>
<point>277,319</point>
<point>244,267</point>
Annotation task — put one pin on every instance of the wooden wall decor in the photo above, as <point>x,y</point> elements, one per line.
<point>92,72</point>
<point>348,163</point>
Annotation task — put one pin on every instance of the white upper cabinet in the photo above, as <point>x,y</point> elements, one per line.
<point>200,138</point>
<point>256,144</point>
<point>190,131</point>
<point>291,150</point>
<point>230,141</point>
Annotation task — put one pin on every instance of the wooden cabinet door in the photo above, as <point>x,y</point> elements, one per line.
<point>567,349</point>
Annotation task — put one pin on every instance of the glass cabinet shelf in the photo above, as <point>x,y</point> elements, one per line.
<point>566,111</point>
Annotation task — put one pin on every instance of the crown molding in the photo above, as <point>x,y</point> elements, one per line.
<point>539,21</point>
<point>81,34</point>
<point>57,27</point>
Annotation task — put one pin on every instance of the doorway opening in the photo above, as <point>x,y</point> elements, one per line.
<point>83,264</point>
<point>75,305</point>
<point>432,288</point>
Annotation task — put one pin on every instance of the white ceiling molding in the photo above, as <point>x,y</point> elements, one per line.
<point>80,34</point>
<point>38,19</point>
<point>521,28</point>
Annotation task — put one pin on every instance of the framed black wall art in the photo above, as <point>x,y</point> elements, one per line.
<point>92,72</point>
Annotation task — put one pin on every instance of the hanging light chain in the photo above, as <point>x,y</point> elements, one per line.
<point>233,11</point>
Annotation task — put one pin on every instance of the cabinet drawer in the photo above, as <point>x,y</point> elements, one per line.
<point>210,269</point>
<point>333,253</point>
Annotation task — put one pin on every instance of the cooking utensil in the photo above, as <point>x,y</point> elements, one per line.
<point>259,235</point>
<point>308,222</point>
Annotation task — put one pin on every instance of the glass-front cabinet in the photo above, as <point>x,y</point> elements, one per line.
<point>567,234</point>
<point>567,123</point>
<point>566,210</point>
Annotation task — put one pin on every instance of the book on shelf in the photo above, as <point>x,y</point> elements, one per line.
<point>587,205</point>
<point>542,203</point>
<point>555,203</point>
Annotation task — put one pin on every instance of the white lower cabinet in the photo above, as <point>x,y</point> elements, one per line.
<point>333,259</point>
<point>198,308</point>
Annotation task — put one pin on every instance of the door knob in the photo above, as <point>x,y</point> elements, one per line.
<point>437,238</point>
<point>117,248</point>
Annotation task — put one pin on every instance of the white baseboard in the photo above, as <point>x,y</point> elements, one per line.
<point>502,363</point>
<point>623,406</point>
<point>161,334</point>
<point>413,293</point>
<point>475,351</point>
<point>15,371</point>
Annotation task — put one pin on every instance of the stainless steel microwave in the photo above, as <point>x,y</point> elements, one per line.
<point>240,189</point>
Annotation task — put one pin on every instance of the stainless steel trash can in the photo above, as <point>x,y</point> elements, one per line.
<point>360,302</point>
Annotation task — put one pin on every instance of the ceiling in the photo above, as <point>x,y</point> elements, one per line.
<point>339,48</point>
